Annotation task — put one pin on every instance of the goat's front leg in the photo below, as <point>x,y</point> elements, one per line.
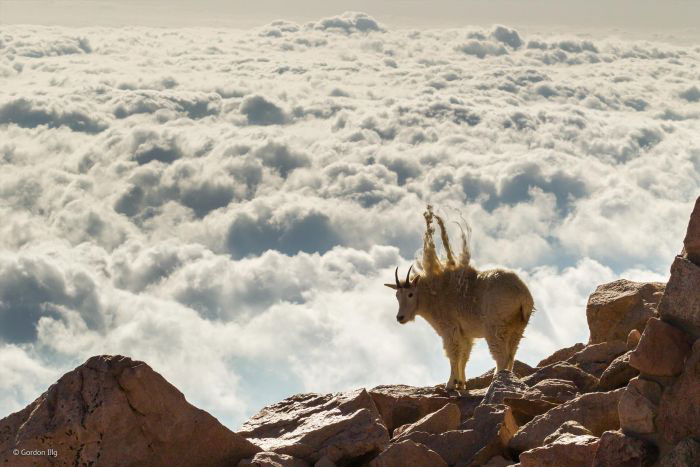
<point>452,352</point>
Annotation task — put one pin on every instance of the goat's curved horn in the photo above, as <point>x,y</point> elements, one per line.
<point>396,276</point>
<point>408,274</point>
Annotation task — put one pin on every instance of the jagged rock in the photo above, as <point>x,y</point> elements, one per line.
<point>445,419</point>
<point>311,426</point>
<point>596,411</point>
<point>595,358</point>
<point>614,309</point>
<point>618,373</point>
<point>498,461</point>
<point>691,242</point>
<point>561,355</point>
<point>495,426</point>
<point>272,459</point>
<point>618,450</point>
<point>556,391</point>
<point>520,369</point>
<point>685,454</point>
<point>452,446</point>
<point>407,454</point>
<point>526,409</point>
<point>525,402</point>
<point>679,410</point>
<point>505,384</point>
<point>661,351</point>
<point>570,427</point>
<point>633,339</point>
<point>569,450</point>
<point>118,411</point>
<point>400,405</point>
<point>639,405</point>
<point>566,371</point>
<point>680,305</point>
<point>325,462</point>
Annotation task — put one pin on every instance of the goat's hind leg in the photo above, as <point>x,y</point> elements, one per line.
<point>513,341</point>
<point>465,351</point>
<point>496,338</point>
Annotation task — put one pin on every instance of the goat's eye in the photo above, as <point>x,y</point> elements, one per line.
<point>410,295</point>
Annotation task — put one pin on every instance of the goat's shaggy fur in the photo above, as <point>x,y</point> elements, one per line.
<point>462,303</point>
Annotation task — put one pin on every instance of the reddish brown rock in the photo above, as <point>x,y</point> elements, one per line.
<point>561,370</point>
<point>340,426</point>
<point>680,305</point>
<point>445,419</point>
<point>495,426</point>
<point>614,309</point>
<point>596,411</point>
<point>498,461</point>
<point>618,373</point>
<point>633,339</point>
<point>400,405</point>
<point>407,454</point>
<point>691,242</point>
<point>571,428</point>
<point>595,358</point>
<point>679,410</point>
<point>526,409</point>
<point>618,450</point>
<point>115,411</point>
<point>556,391</point>
<point>661,351</point>
<point>272,459</point>
<point>505,384</point>
<point>561,355</point>
<point>567,450</point>
<point>684,454</point>
<point>520,369</point>
<point>452,446</point>
<point>638,406</point>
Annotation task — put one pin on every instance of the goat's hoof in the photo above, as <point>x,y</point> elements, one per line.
<point>452,384</point>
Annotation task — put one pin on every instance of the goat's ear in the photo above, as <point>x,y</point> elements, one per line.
<point>415,281</point>
<point>392,286</point>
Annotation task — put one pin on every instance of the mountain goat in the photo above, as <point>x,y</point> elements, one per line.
<point>462,303</point>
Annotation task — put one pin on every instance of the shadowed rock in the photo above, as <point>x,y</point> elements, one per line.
<point>618,450</point>
<point>112,410</point>
<point>561,355</point>
<point>679,410</point>
<point>561,370</point>
<point>408,454</point>
<point>684,454</point>
<point>567,450</point>
<point>618,373</point>
<point>680,305</point>
<point>691,242</point>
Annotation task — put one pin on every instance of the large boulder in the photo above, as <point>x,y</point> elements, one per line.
<point>596,411</point>
<point>639,405</point>
<point>400,404</point>
<point>679,410</point>
<point>340,426</point>
<point>452,446</point>
<point>112,410</point>
<point>272,459</point>
<point>616,449</point>
<point>562,370</point>
<point>691,243</point>
<point>571,428</point>
<point>495,425</point>
<point>567,450</point>
<point>662,350</point>
<point>561,355</point>
<point>680,305</point>
<point>595,358</point>
<point>614,309</point>
<point>618,373</point>
<point>684,454</point>
<point>445,419</point>
<point>504,385</point>
<point>408,454</point>
<point>556,391</point>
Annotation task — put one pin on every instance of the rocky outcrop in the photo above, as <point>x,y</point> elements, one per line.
<point>343,426</point>
<point>680,306</point>
<point>112,410</point>
<point>445,419</point>
<point>614,309</point>
<point>408,454</point>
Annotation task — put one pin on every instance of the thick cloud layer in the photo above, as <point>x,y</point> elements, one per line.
<point>226,205</point>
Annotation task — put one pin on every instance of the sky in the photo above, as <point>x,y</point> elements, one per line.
<point>226,203</point>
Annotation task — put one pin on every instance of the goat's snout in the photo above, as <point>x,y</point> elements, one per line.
<point>399,318</point>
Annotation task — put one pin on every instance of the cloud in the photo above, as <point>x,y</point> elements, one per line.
<point>349,22</point>
<point>29,113</point>
<point>260,111</point>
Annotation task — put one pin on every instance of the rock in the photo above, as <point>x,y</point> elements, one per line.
<point>618,450</point>
<point>679,410</point>
<point>340,426</point>
<point>407,454</point>
<point>595,358</point>
<point>569,450</point>
<point>661,351</point>
<point>325,462</point>
<point>638,406</point>
<point>272,459</point>
<point>633,339</point>
<point>680,305</point>
<point>505,384</point>
<point>445,419</point>
<point>400,405</point>
<point>120,412</point>
<point>556,391</point>
<point>526,409</point>
<point>520,369</point>
<point>566,371</point>
<point>596,411</point>
<point>685,454</point>
<point>561,355</point>
<point>452,446</point>
<point>691,242</point>
<point>495,426</point>
<point>614,309</point>
<point>570,427</point>
<point>618,373</point>
<point>498,461</point>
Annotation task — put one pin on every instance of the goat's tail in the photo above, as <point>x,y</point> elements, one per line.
<point>527,308</point>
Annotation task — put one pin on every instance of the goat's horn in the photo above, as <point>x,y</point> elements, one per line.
<point>396,276</point>
<point>408,274</point>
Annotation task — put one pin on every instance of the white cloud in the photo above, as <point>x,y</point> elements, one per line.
<point>226,204</point>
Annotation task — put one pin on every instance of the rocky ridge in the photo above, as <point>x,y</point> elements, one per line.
<point>628,397</point>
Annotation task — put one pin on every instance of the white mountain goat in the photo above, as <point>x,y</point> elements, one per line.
<point>462,303</point>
